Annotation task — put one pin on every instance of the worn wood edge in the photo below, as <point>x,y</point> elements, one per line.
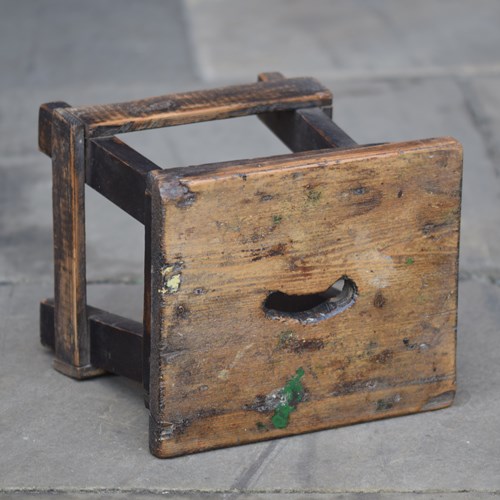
<point>459,151</point>
<point>68,208</point>
<point>211,171</point>
<point>128,335</point>
<point>157,229</point>
<point>204,105</point>
<point>271,76</point>
<point>45,114</point>
<point>163,446</point>
<point>147,324</point>
<point>77,372</point>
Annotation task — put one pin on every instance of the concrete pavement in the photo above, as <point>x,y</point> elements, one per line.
<point>399,70</point>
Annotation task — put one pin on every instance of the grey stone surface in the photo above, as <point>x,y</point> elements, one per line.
<point>399,70</point>
<point>197,495</point>
<point>483,100</point>
<point>70,435</point>
<point>59,42</point>
<point>344,39</point>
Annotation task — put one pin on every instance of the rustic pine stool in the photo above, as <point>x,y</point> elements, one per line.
<point>281,295</point>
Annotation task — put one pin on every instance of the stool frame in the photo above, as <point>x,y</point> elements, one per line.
<point>89,342</point>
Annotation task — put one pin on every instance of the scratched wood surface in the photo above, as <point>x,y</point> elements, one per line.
<point>72,340</point>
<point>204,105</point>
<point>225,236</point>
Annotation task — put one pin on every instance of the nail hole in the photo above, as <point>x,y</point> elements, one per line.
<point>312,307</point>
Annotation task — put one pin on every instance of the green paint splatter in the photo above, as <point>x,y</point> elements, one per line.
<point>291,395</point>
<point>409,261</point>
<point>277,219</point>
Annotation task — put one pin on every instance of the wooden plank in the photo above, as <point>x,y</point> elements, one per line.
<point>223,371</point>
<point>304,129</point>
<point>45,125</point>
<point>119,173</point>
<point>116,342</point>
<point>197,106</point>
<point>72,341</point>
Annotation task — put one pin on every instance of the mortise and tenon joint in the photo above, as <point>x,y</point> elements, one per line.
<point>282,295</point>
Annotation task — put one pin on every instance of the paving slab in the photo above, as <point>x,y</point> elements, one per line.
<point>399,70</point>
<point>196,495</point>
<point>82,54</point>
<point>57,433</point>
<point>344,39</point>
<point>483,98</point>
<point>59,42</point>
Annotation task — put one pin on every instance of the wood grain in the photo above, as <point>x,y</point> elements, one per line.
<point>72,341</point>
<point>119,173</point>
<point>197,106</point>
<point>45,125</point>
<point>305,129</point>
<point>227,235</point>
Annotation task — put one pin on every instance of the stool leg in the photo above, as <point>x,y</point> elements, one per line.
<point>72,340</point>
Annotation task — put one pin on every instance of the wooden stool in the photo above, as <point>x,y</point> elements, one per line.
<point>244,337</point>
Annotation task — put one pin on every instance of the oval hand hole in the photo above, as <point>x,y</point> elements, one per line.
<point>312,307</point>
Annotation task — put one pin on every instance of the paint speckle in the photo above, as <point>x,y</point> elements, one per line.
<point>171,276</point>
<point>277,219</point>
<point>261,427</point>
<point>288,341</point>
<point>264,196</point>
<point>409,261</point>
<point>383,357</point>
<point>178,192</point>
<point>379,300</point>
<point>285,337</point>
<point>173,283</point>
<point>223,374</point>
<point>291,394</point>
<point>388,403</point>
<point>313,196</point>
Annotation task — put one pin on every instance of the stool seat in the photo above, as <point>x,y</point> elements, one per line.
<point>283,294</point>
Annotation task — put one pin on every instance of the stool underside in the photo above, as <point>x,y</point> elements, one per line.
<point>282,295</point>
